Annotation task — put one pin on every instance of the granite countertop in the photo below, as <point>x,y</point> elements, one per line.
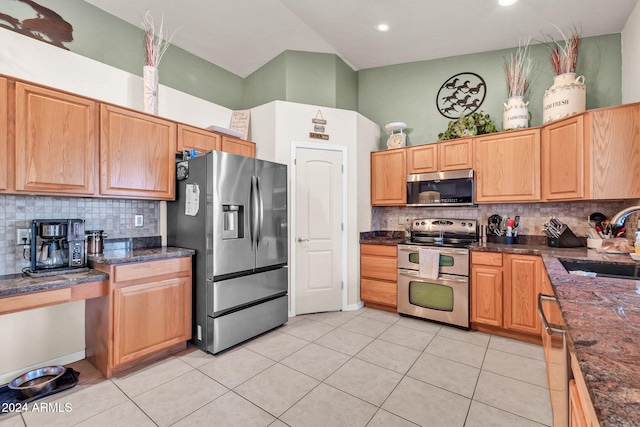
<point>16,284</point>
<point>121,256</point>
<point>605,341</point>
<point>388,238</point>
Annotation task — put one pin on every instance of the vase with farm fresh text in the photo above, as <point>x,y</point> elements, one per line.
<point>568,94</point>
<point>516,110</point>
<point>155,46</point>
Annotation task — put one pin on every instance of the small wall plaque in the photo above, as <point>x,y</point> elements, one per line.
<point>319,136</point>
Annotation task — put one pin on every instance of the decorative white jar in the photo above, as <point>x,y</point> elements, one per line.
<point>567,96</point>
<point>516,113</point>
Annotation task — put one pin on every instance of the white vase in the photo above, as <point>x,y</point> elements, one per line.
<point>516,113</point>
<point>567,96</point>
<point>150,78</point>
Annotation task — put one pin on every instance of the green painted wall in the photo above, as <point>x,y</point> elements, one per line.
<point>407,92</point>
<point>110,40</point>
<point>305,77</point>
<point>266,84</point>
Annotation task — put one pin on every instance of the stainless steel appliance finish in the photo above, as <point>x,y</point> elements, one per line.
<point>95,241</point>
<point>57,245</point>
<point>554,341</point>
<point>233,211</point>
<point>446,298</point>
<point>451,188</point>
<point>37,381</point>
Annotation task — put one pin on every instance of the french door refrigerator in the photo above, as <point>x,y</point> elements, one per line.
<point>233,211</point>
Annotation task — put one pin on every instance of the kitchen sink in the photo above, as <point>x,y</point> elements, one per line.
<point>603,269</point>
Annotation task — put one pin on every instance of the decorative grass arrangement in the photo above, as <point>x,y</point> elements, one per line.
<point>518,69</point>
<point>564,56</point>
<point>155,40</point>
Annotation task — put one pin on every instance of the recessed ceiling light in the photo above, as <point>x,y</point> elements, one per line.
<point>506,2</point>
<point>382,28</point>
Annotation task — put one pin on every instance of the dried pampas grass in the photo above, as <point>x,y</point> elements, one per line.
<point>155,40</point>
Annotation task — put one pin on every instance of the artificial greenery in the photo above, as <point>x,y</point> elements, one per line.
<point>470,125</point>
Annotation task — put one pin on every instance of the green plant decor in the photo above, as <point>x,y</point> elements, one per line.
<point>470,125</point>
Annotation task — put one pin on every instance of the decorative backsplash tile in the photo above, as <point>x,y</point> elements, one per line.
<point>114,216</point>
<point>532,215</point>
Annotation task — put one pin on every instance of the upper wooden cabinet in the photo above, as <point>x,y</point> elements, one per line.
<point>4,122</point>
<point>201,140</point>
<point>388,177</point>
<point>507,167</point>
<point>137,154</point>
<point>612,151</point>
<point>238,146</point>
<point>594,155</point>
<point>456,154</point>
<point>55,143</point>
<point>563,159</point>
<point>422,159</point>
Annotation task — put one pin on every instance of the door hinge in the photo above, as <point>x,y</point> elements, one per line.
<point>341,285</point>
<point>342,168</point>
<point>342,226</point>
<point>294,161</point>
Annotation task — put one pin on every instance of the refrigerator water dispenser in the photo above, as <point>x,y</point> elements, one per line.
<point>233,219</point>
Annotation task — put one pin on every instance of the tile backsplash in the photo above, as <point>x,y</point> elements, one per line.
<point>114,216</point>
<point>532,215</point>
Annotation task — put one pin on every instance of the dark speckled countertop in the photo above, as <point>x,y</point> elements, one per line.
<point>388,238</point>
<point>16,284</point>
<point>606,343</point>
<point>121,256</point>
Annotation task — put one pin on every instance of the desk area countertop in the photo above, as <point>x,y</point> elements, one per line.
<point>605,340</point>
<point>16,284</point>
<point>121,256</point>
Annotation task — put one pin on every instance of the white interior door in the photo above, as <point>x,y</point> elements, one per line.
<point>318,230</point>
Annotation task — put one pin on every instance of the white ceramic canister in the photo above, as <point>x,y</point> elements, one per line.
<point>567,96</point>
<point>516,113</point>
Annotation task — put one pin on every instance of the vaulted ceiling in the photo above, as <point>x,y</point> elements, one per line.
<point>242,35</point>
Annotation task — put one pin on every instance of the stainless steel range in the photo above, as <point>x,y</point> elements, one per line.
<point>444,295</point>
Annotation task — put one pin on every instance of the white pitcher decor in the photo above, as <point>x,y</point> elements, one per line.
<point>516,110</point>
<point>155,47</point>
<point>568,94</point>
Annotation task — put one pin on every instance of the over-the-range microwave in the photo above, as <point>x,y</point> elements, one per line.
<point>453,188</point>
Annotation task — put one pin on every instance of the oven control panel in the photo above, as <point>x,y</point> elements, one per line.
<point>458,226</point>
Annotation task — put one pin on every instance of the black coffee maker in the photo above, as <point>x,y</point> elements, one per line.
<point>57,245</point>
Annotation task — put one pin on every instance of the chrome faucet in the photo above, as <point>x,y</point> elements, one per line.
<point>618,219</point>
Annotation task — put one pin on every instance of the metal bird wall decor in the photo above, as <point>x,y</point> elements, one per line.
<point>461,95</point>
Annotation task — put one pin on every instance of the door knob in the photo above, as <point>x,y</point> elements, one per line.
<point>300,240</point>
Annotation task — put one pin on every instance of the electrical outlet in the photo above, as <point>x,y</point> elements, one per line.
<point>139,220</point>
<point>23,236</point>
<point>404,220</point>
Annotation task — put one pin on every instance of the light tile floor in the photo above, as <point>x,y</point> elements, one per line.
<point>362,368</point>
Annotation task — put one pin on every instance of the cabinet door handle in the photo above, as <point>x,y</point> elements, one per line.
<point>551,329</point>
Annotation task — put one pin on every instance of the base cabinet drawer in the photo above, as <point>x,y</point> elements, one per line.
<point>379,276</point>
<point>379,292</point>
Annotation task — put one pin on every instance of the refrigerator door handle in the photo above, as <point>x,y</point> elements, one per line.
<point>260,221</point>
<point>253,214</point>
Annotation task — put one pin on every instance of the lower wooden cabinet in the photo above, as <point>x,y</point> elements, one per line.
<point>581,410</point>
<point>504,291</point>
<point>146,313</point>
<point>379,276</point>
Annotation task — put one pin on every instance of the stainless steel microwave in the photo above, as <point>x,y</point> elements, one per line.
<point>453,188</point>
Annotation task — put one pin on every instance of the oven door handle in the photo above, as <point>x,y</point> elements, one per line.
<point>412,274</point>
<point>443,251</point>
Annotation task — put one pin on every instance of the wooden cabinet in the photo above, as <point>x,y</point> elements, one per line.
<point>581,410</point>
<point>238,146</point>
<point>422,159</point>
<point>593,156</point>
<point>4,132</point>
<point>147,312</point>
<point>562,150</point>
<point>522,274</point>
<point>379,276</point>
<point>504,291</point>
<point>137,154</point>
<point>507,167</point>
<point>486,289</point>
<point>456,154</point>
<point>201,140</point>
<point>55,142</point>
<point>388,177</point>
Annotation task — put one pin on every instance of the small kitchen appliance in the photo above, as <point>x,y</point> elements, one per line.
<point>444,298</point>
<point>95,241</point>
<point>57,245</point>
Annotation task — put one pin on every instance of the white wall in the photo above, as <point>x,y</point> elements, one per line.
<point>54,335</point>
<point>277,124</point>
<point>631,58</point>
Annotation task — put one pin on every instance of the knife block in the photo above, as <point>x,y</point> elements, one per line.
<point>566,240</point>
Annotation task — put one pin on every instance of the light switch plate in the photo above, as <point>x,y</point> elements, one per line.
<point>139,220</point>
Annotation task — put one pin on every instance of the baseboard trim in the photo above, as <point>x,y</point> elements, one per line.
<point>62,360</point>
<point>354,307</point>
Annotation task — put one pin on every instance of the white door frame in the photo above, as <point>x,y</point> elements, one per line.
<point>292,236</point>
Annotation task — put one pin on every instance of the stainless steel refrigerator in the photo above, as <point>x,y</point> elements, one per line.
<point>233,211</point>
